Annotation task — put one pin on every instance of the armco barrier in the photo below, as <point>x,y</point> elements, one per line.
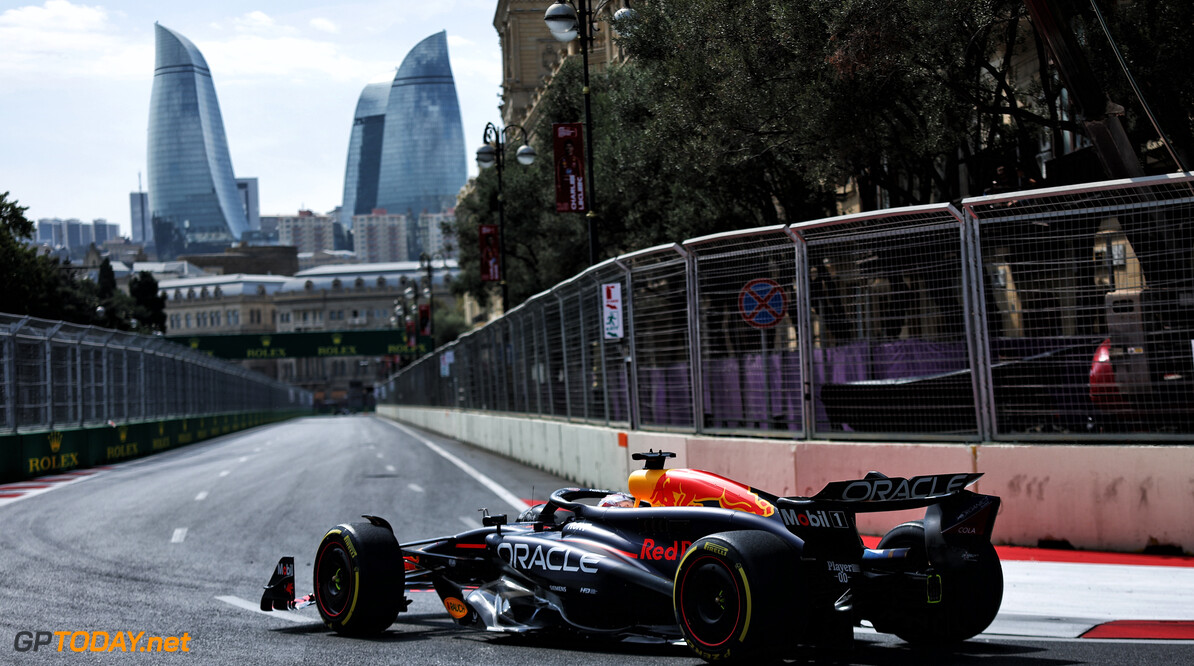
<point>33,454</point>
<point>1096,497</point>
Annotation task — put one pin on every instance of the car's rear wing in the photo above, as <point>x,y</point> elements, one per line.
<point>876,492</point>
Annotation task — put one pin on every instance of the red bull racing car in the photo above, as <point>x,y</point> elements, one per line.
<point>735,572</point>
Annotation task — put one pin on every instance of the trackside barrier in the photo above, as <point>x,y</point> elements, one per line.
<point>76,396</point>
<point>1057,315</point>
<point>33,454</point>
<point>1122,497</point>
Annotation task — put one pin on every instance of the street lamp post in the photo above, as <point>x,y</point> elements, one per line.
<point>425,263</point>
<point>493,153</point>
<point>567,21</point>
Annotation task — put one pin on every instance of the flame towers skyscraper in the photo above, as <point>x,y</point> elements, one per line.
<point>406,153</point>
<point>193,200</point>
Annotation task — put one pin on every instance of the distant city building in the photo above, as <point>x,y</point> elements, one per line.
<point>364,153</point>
<point>139,216</point>
<point>242,258</point>
<point>383,237</point>
<point>328,298</point>
<point>307,231</point>
<point>104,231</point>
<point>51,232</point>
<point>432,238</point>
<point>193,198</point>
<point>78,236</point>
<point>308,260</point>
<point>247,188</point>
<point>413,160</point>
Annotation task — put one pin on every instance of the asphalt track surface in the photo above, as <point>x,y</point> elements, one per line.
<point>179,545</point>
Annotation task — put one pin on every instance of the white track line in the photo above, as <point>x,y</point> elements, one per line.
<point>289,616</point>
<point>180,534</point>
<point>201,496</point>
<point>415,487</point>
<point>507,496</point>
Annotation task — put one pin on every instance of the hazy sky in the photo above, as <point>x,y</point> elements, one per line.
<point>75,79</point>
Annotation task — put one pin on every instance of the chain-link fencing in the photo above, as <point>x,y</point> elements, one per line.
<point>59,375</point>
<point>1058,314</point>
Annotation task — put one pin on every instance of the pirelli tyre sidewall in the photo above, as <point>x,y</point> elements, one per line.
<point>727,595</point>
<point>970,596</point>
<point>359,579</point>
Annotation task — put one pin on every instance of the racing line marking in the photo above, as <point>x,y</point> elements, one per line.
<point>290,616</point>
<point>507,496</point>
<point>201,496</point>
<point>415,487</point>
<point>390,468</point>
<point>224,473</point>
<point>179,534</point>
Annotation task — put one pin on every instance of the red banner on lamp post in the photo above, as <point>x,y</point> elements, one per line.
<point>569,152</point>
<point>491,261</point>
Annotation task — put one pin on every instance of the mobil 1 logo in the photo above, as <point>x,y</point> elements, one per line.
<point>815,518</point>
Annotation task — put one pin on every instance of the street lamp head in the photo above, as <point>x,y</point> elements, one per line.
<point>561,21</point>
<point>526,155</point>
<point>623,14</point>
<point>486,156</point>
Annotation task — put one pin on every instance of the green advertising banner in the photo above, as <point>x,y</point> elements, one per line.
<point>385,342</point>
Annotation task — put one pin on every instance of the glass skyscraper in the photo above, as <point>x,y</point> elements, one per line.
<point>364,153</point>
<point>193,201</point>
<point>412,160</point>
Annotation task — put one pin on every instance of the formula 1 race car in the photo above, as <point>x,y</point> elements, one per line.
<point>735,572</point>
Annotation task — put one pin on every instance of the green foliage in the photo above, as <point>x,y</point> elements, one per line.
<point>736,113</point>
<point>36,285</point>
<point>149,304</point>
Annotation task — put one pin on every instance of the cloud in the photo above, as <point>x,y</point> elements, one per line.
<point>63,40</point>
<point>323,25</point>
<point>251,56</point>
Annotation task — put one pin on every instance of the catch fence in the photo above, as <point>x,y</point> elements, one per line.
<point>59,375</point>
<point>1058,314</point>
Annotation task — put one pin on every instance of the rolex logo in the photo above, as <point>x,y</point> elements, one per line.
<point>124,434</point>
<point>194,343</point>
<point>336,338</point>
<point>265,339</point>
<point>161,428</point>
<point>55,441</point>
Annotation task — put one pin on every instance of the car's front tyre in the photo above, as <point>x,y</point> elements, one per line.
<point>359,579</point>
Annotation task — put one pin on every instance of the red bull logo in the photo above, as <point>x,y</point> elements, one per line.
<point>691,487</point>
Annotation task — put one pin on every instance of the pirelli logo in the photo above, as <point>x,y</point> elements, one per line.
<point>714,548</point>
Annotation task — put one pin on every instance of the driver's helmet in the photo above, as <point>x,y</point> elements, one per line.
<point>624,500</point>
<point>531,514</point>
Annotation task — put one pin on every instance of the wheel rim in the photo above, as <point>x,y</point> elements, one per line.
<point>333,579</point>
<point>710,602</point>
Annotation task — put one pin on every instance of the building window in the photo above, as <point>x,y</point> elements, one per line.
<point>188,320</point>
<point>234,317</point>
<point>215,318</point>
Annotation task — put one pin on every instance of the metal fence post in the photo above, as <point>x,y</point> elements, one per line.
<point>804,334</point>
<point>630,362</point>
<point>693,304</point>
<point>564,350</point>
<point>977,330</point>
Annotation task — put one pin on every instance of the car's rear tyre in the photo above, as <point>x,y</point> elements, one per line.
<point>359,579</point>
<point>728,593</point>
<point>969,596</point>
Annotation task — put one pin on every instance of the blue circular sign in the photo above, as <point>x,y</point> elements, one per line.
<point>762,303</point>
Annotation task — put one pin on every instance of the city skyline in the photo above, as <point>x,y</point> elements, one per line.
<point>288,75</point>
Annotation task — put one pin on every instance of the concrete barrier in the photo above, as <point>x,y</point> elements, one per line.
<point>1121,498</point>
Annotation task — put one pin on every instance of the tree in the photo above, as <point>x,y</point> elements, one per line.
<point>30,282</point>
<point>150,305</point>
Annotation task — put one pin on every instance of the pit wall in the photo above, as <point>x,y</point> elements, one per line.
<point>1096,497</point>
